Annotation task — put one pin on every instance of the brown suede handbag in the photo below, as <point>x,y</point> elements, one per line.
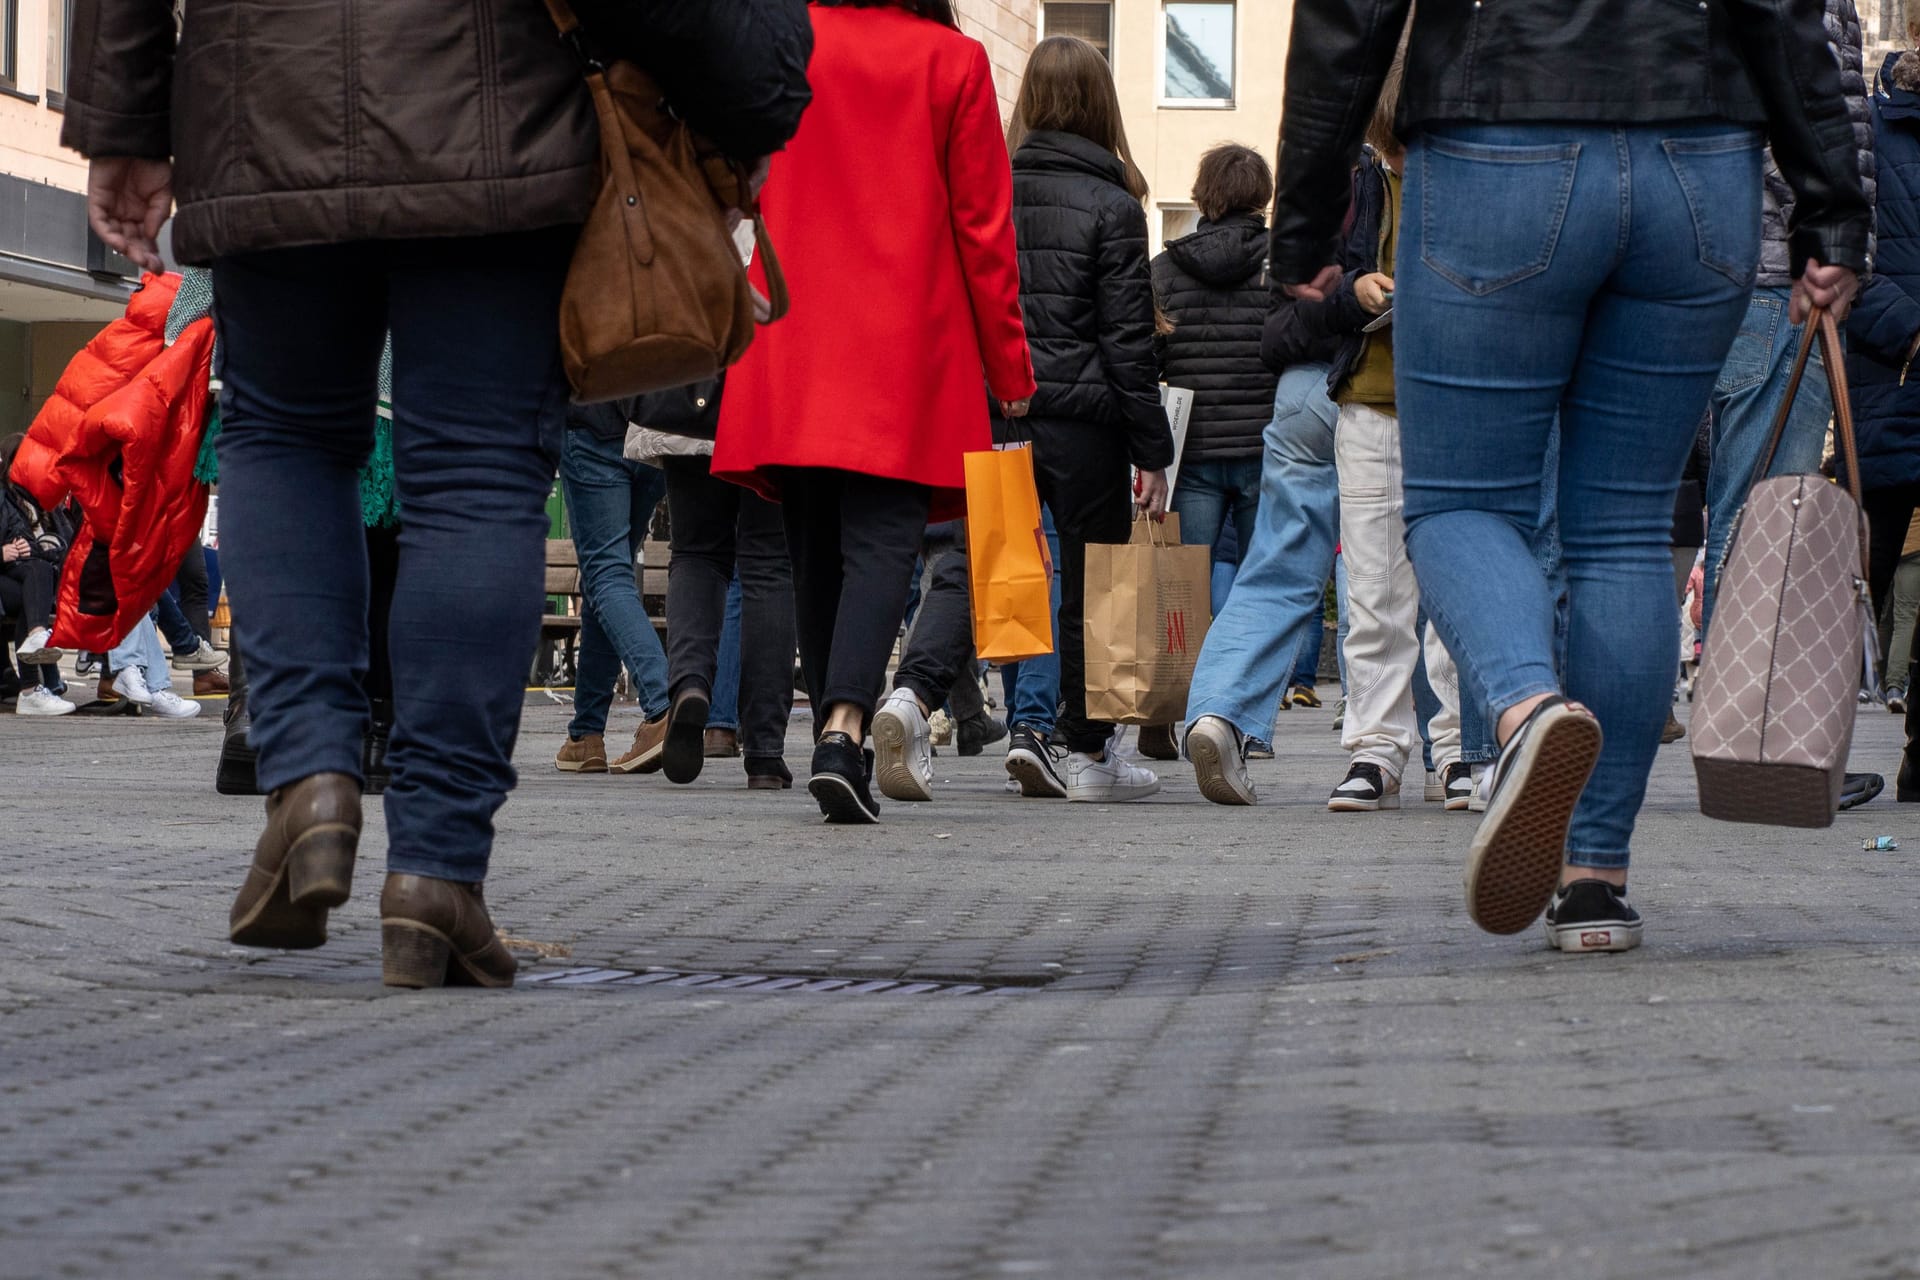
<point>1791,634</point>
<point>657,296</point>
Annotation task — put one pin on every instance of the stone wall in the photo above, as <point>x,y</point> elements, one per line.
<point>1007,28</point>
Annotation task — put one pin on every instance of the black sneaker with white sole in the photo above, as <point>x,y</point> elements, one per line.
<point>1456,784</point>
<point>1034,763</point>
<point>1592,915</point>
<point>842,773</point>
<point>1365,789</point>
<point>1513,864</point>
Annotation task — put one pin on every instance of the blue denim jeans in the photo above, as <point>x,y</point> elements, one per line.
<point>141,648</point>
<point>479,402</point>
<point>610,501</point>
<point>1746,398</point>
<point>1280,591</point>
<point>725,711</point>
<point>1207,495</point>
<point>1031,688</point>
<point>1598,275</point>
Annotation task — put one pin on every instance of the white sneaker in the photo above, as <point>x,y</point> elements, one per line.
<point>1112,779</point>
<point>205,658</point>
<point>35,649</point>
<point>1219,761</point>
<point>172,706</point>
<point>131,684</point>
<point>902,748</point>
<point>1482,788</point>
<point>41,701</point>
<point>1436,789</point>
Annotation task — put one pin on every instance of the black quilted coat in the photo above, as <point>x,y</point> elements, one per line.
<point>1212,286</point>
<point>1086,295</point>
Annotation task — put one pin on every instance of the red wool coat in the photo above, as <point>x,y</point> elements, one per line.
<point>126,399</point>
<point>892,211</point>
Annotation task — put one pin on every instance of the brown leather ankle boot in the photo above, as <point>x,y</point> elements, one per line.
<point>437,932</point>
<point>302,865</point>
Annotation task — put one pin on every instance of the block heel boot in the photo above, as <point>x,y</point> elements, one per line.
<point>302,866</point>
<point>436,933</point>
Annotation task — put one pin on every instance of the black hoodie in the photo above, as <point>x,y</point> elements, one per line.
<point>1212,286</point>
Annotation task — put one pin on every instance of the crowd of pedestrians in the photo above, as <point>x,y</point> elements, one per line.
<point>1496,375</point>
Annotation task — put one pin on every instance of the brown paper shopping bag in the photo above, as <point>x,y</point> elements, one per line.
<point>1011,573</point>
<point>1146,614</point>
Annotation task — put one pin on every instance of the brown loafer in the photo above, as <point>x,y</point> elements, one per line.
<point>302,866</point>
<point>721,744</point>
<point>438,933</point>
<point>210,684</point>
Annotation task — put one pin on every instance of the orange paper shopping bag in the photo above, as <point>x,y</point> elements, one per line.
<point>1011,572</point>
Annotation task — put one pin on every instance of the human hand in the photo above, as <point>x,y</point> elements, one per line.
<point>1823,286</point>
<point>1697,591</point>
<point>1375,292</point>
<point>1016,408</point>
<point>15,550</point>
<point>1150,494</point>
<point>1318,288</point>
<point>128,199</point>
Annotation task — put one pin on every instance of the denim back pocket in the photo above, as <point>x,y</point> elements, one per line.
<point>1720,176</point>
<point>1491,215</point>
<point>1750,359</point>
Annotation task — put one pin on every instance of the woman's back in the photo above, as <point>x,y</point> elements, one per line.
<point>890,211</point>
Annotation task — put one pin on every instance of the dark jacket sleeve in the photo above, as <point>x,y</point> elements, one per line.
<point>1785,50</point>
<point>1123,319</point>
<point>1293,337</point>
<point>1337,61</point>
<point>736,70</point>
<point>120,79</point>
<point>1885,320</point>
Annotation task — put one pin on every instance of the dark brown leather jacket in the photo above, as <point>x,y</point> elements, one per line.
<point>1758,62</point>
<point>310,123</point>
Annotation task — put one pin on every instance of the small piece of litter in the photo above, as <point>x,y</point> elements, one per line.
<point>1880,844</point>
<point>943,835</point>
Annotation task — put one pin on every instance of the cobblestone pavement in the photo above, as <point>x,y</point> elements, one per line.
<point>1269,1042</point>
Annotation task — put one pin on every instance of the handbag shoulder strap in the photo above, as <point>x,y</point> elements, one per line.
<point>1821,325</point>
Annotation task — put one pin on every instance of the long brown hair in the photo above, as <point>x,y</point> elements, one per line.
<point>1069,87</point>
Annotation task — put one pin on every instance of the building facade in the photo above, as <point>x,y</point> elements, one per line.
<point>1008,29</point>
<point>58,283</point>
<point>1191,74</point>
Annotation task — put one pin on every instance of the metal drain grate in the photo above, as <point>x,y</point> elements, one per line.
<point>621,978</point>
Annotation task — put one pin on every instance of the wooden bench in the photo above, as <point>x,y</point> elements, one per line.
<point>557,659</point>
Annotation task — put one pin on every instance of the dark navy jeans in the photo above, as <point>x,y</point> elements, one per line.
<point>479,401</point>
<point>1597,275</point>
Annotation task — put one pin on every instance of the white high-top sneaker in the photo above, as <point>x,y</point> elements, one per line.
<point>35,648</point>
<point>131,684</point>
<point>902,748</point>
<point>1104,781</point>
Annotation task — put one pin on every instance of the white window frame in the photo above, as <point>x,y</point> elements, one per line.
<point>1113,27</point>
<point>1165,208</point>
<point>1160,64</point>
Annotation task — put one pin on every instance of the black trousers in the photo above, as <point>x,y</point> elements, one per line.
<point>28,589</point>
<point>1083,477</point>
<point>853,539</point>
<point>191,582</point>
<point>937,659</point>
<point>1889,512</point>
<point>719,528</point>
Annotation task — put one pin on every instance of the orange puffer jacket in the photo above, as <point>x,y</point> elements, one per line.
<point>120,434</point>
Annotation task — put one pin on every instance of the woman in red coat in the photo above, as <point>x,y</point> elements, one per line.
<point>892,209</point>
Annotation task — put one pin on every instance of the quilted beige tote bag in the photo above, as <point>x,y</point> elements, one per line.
<point>1774,708</point>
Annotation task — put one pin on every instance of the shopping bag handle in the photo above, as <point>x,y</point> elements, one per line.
<point>1821,325</point>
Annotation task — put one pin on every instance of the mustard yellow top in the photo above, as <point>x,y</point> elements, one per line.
<point>1371,382</point>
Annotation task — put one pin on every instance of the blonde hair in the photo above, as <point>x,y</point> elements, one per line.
<point>1068,87</point>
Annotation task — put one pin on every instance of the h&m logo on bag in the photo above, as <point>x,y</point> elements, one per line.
<point>1176,631</point>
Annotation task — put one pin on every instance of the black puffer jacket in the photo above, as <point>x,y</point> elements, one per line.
<point>1590,61</point>
<point>1213,286</point>
<point>1086,294</point>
